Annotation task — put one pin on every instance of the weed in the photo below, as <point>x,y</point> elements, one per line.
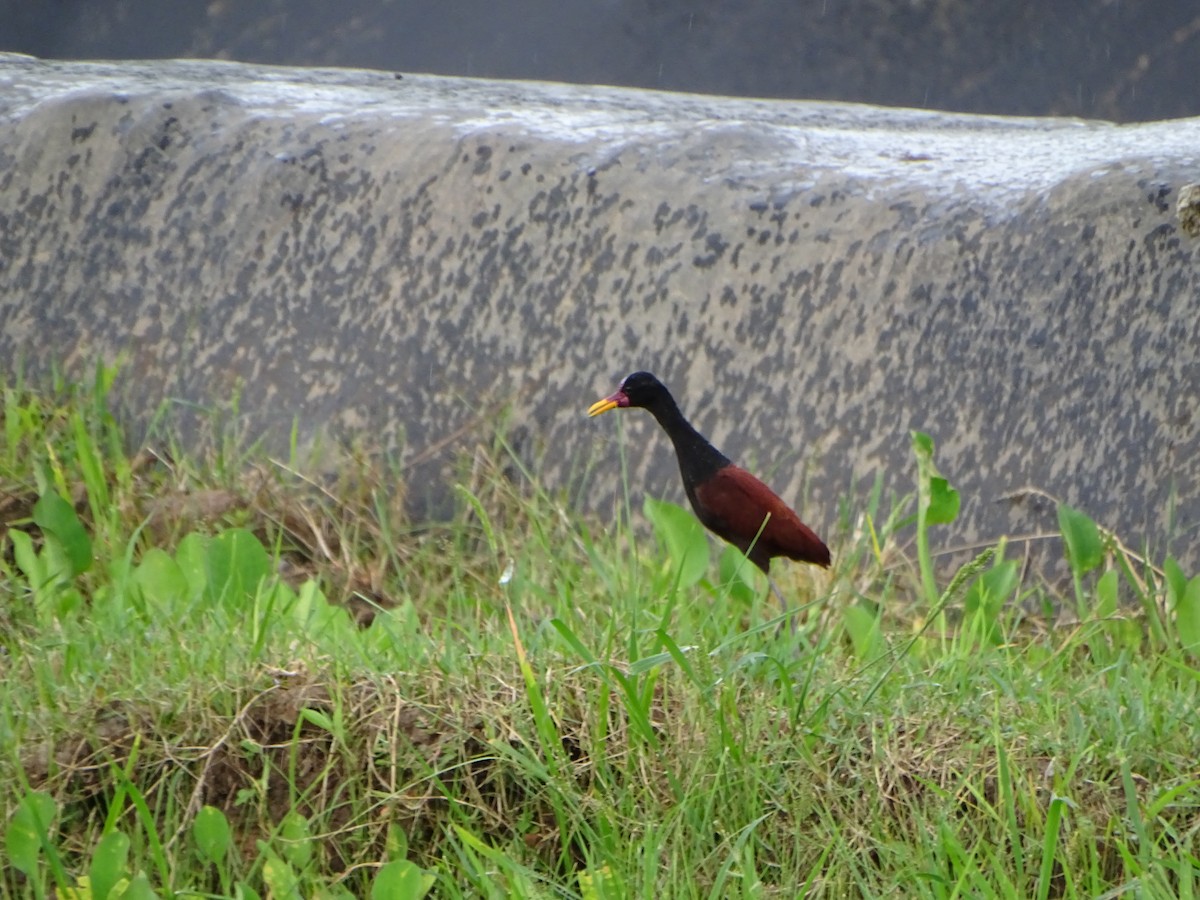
<point>239,679</point>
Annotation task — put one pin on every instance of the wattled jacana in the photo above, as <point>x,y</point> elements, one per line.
<point>728,500</point>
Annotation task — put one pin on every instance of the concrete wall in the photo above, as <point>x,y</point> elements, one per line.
<point>389,259</point>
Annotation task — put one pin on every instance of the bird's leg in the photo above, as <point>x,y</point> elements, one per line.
<point>778,593</point>
<point>783,606</point>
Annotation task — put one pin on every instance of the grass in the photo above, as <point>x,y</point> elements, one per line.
<point>231,679</point>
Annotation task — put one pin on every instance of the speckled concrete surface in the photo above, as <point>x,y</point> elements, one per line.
<point>385,258</point>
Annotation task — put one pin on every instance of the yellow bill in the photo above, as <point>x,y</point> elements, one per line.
<point>602,406</point>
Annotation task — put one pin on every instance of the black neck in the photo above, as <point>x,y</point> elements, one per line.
<point>698,459</point>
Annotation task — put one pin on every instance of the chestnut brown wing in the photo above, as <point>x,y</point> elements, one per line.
<point>733,503</point>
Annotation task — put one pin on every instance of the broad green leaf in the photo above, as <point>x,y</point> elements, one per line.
<point>683,537</point>
<point>27,830</point>
<point>309,603</point>
<point>235,565</point>
<point>108,864</point>
<point>943,502</point>
<point>211,832</point>
<point>159,578</point>
<point>56,562</point>
<point>67,602</point>
<point>81,890</point>
<point>1187,617</point>
<point>1176,581</point>
<point>596,884</point>
<point>1085,549</point>
<point>863,627</point>
<point>27,559</point>
<point>280,879</point>
<point>739,576</point>
<point>297,839</point>
<point>985,598</point>
<point>401,880</point>
<point>396,846</point>
<point>139,889</point>
<point>56,516</point>
<point>191,556</point>
<point>320,619</point>
<point>332,892</point>
<point>1106,594</point>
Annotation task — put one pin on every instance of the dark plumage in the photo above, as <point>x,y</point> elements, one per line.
<point>731,502</point>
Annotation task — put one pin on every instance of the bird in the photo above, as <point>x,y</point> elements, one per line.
<point>729,501</point>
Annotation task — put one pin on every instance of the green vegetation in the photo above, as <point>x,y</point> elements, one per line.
<point>233,680</point>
